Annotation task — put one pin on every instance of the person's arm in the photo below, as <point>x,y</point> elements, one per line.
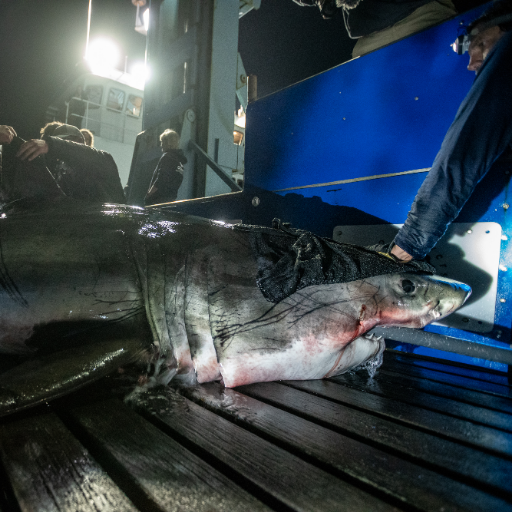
<point>7,133</point>
<point>31,149</point>
<point>157,178</point>
<point>481,131</point>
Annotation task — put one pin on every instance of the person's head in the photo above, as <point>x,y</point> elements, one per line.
<point>48,129</point>
<point>88,137</point>
<point>169,140</point>
<point>69,132</point>
<point>486,31</point>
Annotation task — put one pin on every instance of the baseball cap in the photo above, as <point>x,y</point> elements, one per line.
<point>67,131</point>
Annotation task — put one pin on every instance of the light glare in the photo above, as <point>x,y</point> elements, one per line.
<point>145,17</point>
<point>102,54</point>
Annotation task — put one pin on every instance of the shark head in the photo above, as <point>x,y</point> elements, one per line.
<point>411,300</point>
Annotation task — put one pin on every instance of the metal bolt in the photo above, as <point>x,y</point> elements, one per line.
<point>506,206</point>
<point>504,237</point>
<point>243,79</point>
<point>469,231</point>
<point>503,268</point>
<point>503,300</point>
<point>255,201</point>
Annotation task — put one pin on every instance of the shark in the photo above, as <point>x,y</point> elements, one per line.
<point>85,290</point>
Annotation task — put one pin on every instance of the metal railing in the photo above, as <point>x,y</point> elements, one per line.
<point>94,120</point>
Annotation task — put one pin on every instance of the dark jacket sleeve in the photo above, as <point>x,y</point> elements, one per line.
<point>97,177</point>
<point>167,177</point>
<point>481,131</point>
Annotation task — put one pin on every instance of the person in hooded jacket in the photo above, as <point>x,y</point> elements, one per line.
<point>480,134</point>
<point>168,175</point>
<point>81,172</point>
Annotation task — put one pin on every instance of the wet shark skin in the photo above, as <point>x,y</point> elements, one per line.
<point>185,289</point>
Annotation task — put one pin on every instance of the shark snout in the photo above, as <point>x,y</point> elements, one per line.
<point>451,296</point>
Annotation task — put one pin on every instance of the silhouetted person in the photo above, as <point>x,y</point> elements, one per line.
<point>81,172</point>
<point>168,174</point>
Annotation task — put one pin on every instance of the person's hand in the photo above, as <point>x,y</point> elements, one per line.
<point>32,149</point>
<point>400,254</point>
<point>7,133</point>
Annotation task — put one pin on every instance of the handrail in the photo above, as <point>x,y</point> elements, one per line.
<point>446,343</point>
<point>215,167</point>
<point>119,128</point>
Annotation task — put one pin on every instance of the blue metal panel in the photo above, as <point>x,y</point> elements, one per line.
<point>385,112</point>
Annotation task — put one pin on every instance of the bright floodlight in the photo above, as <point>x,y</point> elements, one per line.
<point>102,54</point>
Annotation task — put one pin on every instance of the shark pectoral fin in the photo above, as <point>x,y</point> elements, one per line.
<point>364,352</point>
<point>53,375</point>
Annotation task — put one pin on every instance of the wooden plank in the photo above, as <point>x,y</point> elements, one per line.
<point>448,390</point>
<point>286,477</point>
<point>160,473</point>
<point>50,470</point>
<point>415,486</point>
<point>496,391</point>
<point>464,370</point>
<point>404,390</point>
<point>422,447</point>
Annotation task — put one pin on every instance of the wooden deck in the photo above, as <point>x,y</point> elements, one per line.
<point>422,435</point>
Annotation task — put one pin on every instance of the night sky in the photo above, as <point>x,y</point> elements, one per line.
<point>41,41</point>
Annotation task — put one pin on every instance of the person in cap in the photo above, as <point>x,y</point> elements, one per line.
<point>479,135</point>
<point>81,172</point>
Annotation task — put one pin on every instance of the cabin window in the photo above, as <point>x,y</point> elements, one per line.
<point>93,94</point>
<point>134,105</point>
<point>115,100</point>
<point>238,137</point>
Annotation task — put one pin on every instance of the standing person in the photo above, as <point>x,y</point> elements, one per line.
<point>480,133</point>
<point>81,172</point>
<point>168,174</point>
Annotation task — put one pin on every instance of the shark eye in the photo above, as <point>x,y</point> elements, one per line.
<point>408,286</point>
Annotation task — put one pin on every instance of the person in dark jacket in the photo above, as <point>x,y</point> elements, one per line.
<point>81,172</point>
<point>168,175</point>
<point>479,135</point>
